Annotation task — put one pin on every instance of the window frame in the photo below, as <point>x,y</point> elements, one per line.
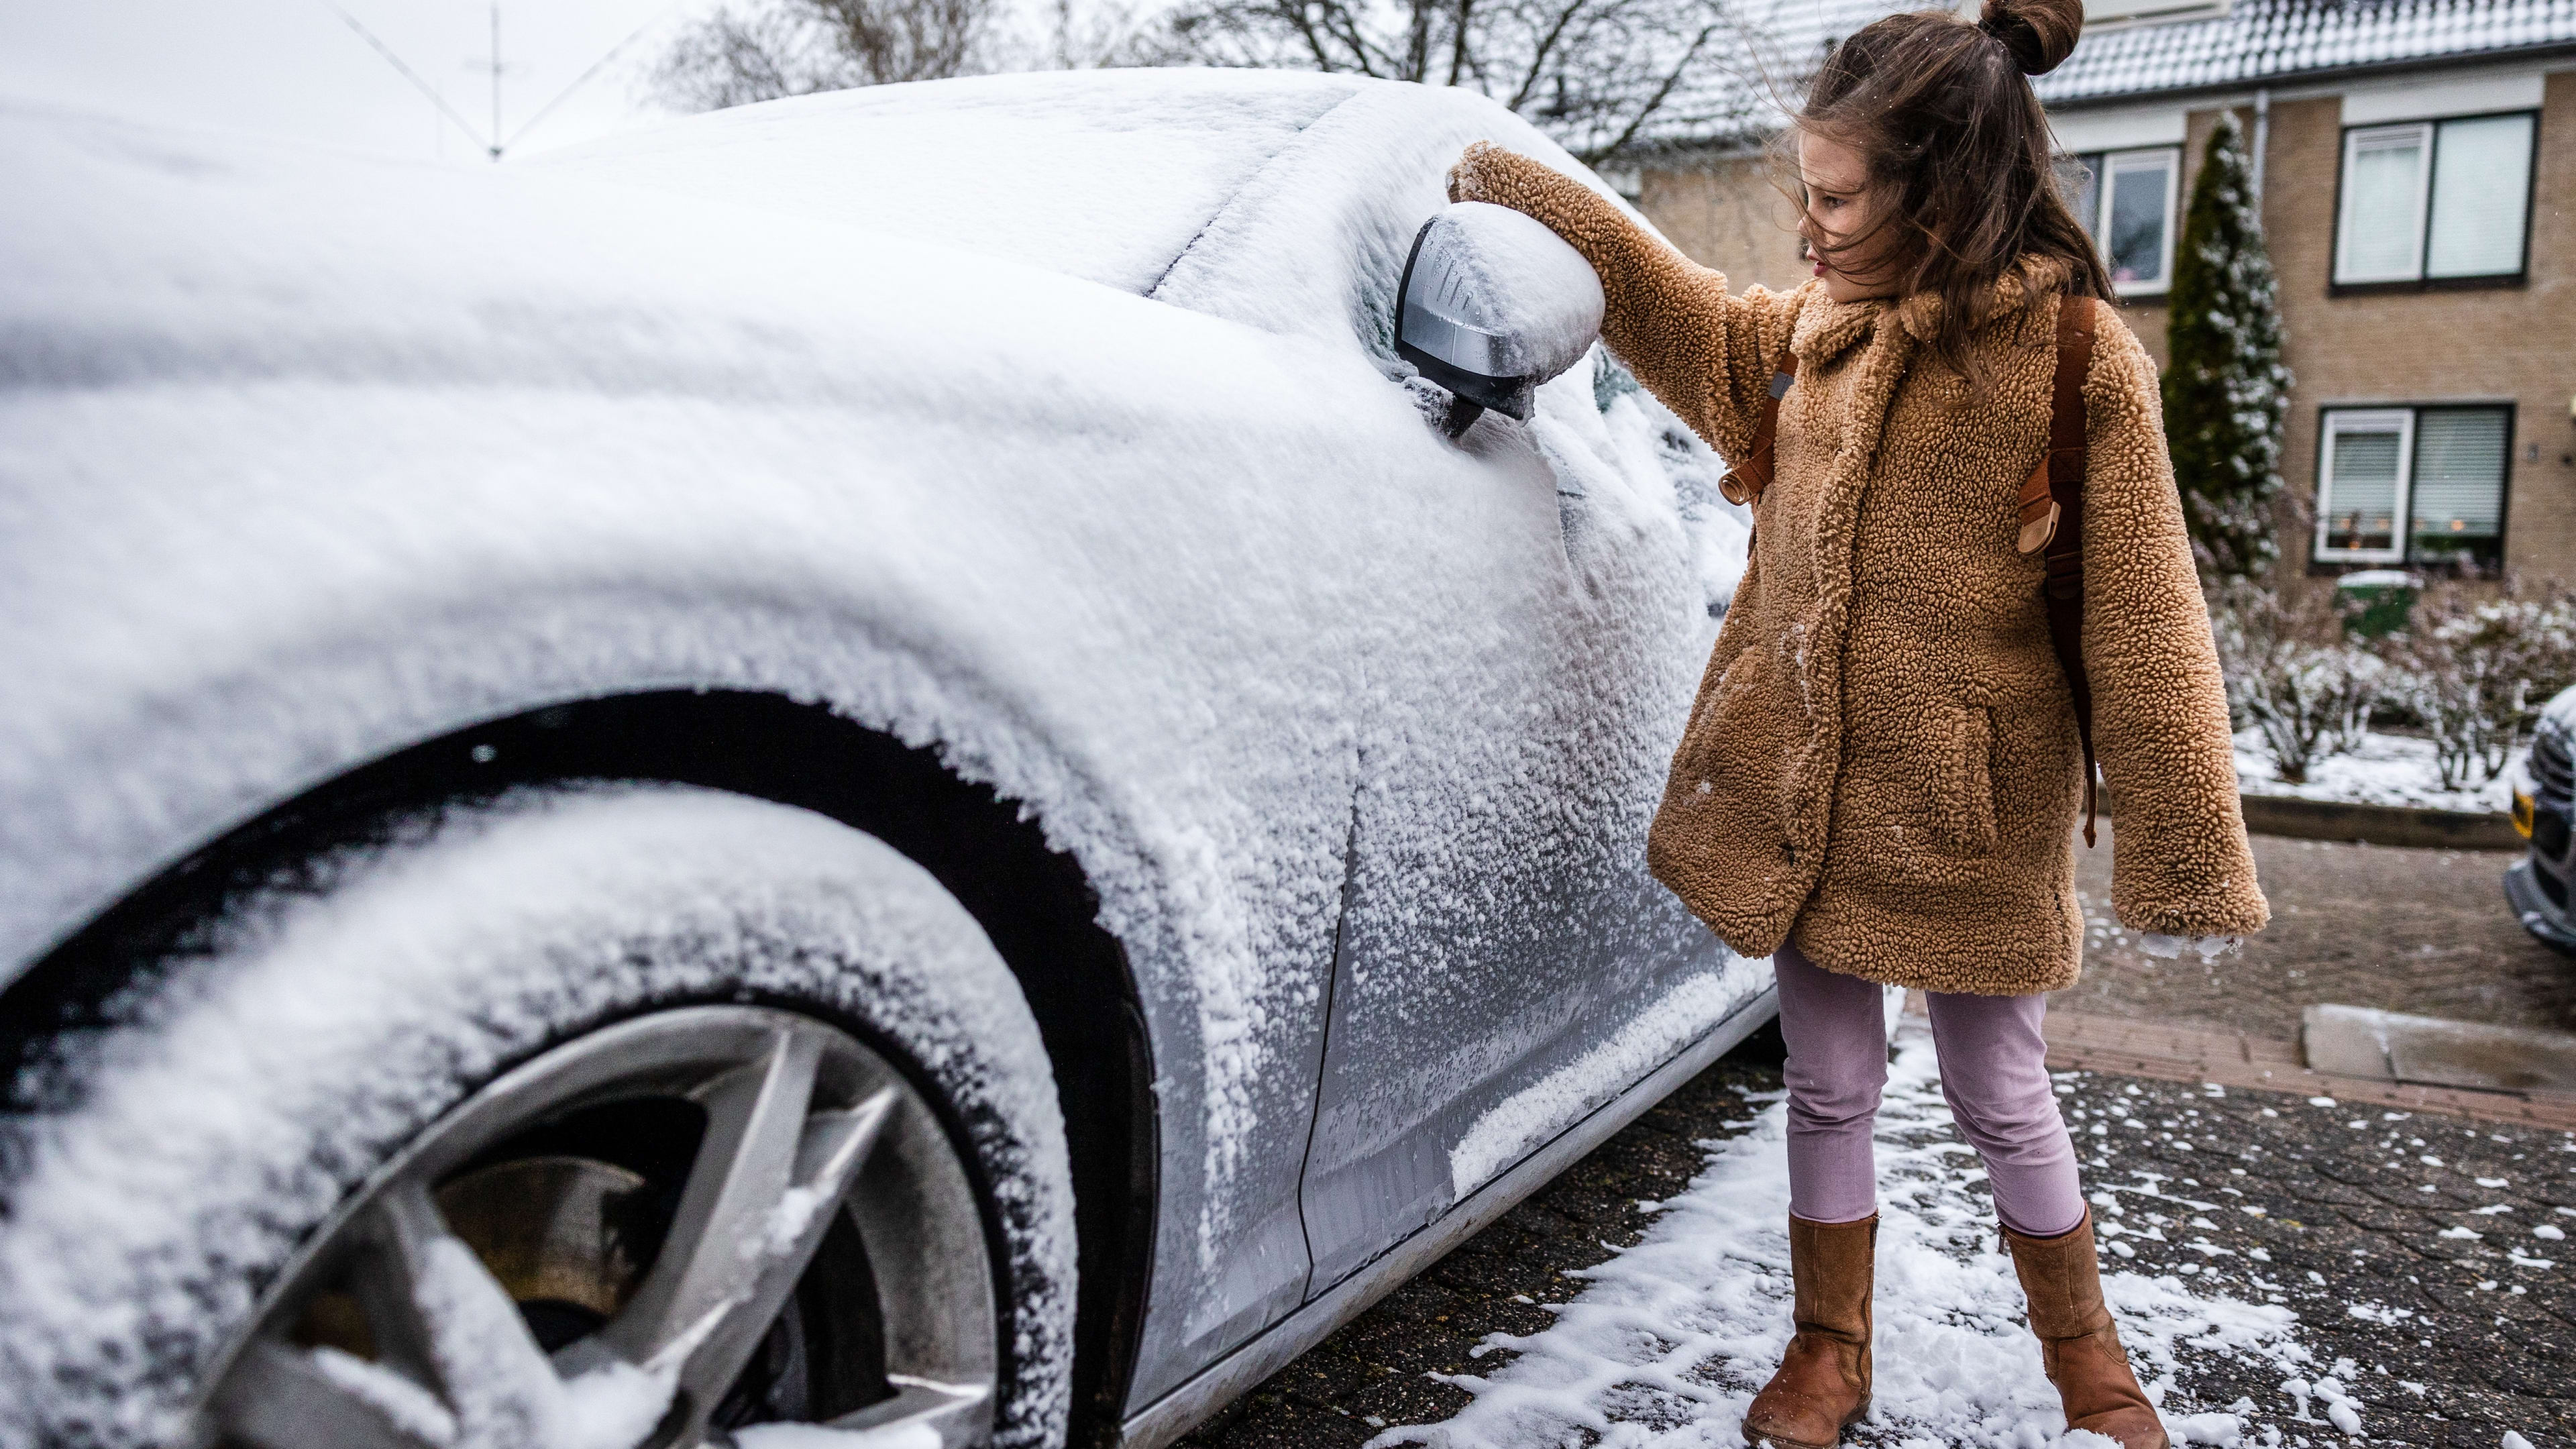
<point>2365,419</point>
<point>2100,164</point>
<point>2431,126</point>
<point>2402,519</point>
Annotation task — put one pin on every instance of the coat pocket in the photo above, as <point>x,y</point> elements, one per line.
<point>1963,788</point>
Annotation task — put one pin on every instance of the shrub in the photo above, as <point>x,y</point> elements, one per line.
<point>2476,667</point>
<point>2292,675</point>
<point>2226,394</point>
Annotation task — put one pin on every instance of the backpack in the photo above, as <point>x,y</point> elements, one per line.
<point>2051,511</point>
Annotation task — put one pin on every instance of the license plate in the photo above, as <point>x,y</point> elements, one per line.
<point>2522,814</point>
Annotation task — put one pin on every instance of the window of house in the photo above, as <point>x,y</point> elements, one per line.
<point>2413,485</point>
<point>2126,200</point>
<point>2435,200</point>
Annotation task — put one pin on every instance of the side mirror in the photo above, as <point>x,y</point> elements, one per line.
<point>1492,304</point>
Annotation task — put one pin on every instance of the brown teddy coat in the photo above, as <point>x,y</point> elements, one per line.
<point>1882,763</point>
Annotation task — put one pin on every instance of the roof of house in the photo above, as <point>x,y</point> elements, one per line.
<point>2255,42</point>
<point>2273,40</point>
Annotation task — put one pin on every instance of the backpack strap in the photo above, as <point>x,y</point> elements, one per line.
<point>2052,518</point>
<point>1743,483</point>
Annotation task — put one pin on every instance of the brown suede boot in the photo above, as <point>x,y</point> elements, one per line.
<point>2063,1281</point>
<point>1822,1387</point>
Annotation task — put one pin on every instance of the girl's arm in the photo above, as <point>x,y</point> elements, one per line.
<point>1709,356</point>
<point>2181,865</point>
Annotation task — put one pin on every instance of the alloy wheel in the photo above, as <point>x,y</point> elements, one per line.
<point>650,1237</point>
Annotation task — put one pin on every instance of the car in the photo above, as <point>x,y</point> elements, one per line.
<point>861,762</point>
<point>2536,885</point>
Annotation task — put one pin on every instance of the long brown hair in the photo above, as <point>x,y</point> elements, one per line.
<point>1958,153</point>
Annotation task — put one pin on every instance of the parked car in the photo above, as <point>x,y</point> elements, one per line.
<point>863,761</point>
<point>2544,800</point>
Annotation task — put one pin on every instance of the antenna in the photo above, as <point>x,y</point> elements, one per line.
<point>407,73</point>
<point>495,147</point>
<point>494,144</point>
<point>584,78</point>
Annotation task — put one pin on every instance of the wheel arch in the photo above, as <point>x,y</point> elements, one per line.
<point>1033,901</point>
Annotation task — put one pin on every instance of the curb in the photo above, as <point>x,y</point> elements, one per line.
<point>2358,1041</point>
<point>2178,1053</point>
<point>2398,825</point>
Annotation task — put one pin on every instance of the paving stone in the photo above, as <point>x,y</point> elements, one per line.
<point>1410,1399</point>
<point>2422,931</point>
<point>2489,1359</point>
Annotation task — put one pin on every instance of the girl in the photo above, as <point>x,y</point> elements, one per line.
<point>1880,776</point>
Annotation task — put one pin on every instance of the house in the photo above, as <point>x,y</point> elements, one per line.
<point>2416,161</point>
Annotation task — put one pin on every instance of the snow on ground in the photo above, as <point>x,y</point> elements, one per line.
<point>2385,770</point>
<point>1668,1345</point>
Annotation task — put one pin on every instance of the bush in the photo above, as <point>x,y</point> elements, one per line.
<point>2292,674</point>
<point>2476,668</point>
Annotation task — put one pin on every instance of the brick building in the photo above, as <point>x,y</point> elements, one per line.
<point>2417,160</point>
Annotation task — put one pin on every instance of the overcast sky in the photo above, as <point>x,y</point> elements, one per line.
<point>293,67</point>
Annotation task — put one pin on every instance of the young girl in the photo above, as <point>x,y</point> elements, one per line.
<point>1880,777</point>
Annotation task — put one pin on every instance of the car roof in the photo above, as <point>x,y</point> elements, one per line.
<point>1102,175</point>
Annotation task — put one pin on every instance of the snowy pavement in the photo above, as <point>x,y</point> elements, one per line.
<point>2423,931</point>
<point>2287,1273</point>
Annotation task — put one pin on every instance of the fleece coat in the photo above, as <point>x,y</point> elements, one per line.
<point>1882,763</point>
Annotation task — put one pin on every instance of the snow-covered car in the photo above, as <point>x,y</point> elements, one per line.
<point>859,762</point>
<point>2544,802</point>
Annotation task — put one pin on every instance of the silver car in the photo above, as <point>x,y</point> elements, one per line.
<point>864,762</point>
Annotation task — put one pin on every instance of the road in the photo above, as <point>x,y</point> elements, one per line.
<point>2414,1252</point>
<point>2424,1257</point>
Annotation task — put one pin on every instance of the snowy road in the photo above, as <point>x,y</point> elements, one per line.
<point>2288,1273</point>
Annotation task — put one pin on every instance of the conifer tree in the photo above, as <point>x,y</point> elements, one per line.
<point>2226,394</point>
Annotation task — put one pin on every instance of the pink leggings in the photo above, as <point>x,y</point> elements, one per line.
<point>1994,1071</point>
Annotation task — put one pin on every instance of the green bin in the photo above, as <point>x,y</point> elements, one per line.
<point>2377,602</point>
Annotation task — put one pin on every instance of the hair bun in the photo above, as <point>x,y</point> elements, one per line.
<point>2039,33</point>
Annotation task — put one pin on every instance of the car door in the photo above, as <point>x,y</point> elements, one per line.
<point>1505,965</point>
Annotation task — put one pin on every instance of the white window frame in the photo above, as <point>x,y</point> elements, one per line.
<point>2422,133</point>
<point>2401,518</point>
<point>2171,157</point>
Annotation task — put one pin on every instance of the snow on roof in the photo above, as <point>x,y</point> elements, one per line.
<point>2255,42</point>
<point>2270,40</point>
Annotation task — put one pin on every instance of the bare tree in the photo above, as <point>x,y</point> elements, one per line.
<point>780,48</point>
<point>1601,76</point>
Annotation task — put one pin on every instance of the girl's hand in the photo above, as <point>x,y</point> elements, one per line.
<point>2170,948</point>
<point>1477,176</point>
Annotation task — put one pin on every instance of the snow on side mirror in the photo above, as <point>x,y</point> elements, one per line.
<point>1492,304</point>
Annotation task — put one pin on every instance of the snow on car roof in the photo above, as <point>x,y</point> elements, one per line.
<point>1104,175</point>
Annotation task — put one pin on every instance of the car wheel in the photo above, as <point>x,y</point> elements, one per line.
<point>589,1118</point>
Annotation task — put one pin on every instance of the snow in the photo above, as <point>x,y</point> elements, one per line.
<point>1667,1344</point>
<point>1105,176</point>
<point>225,1114</point>
<point>808,1436</point>
<point>1537,1113</point>
<point>2384,769</point>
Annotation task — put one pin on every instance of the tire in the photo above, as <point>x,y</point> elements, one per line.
<point>591,1035</point>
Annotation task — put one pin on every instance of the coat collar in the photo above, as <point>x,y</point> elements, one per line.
<point>1826,328</point>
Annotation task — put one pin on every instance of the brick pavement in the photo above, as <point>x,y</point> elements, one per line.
<point>2323,1209</point>
<point>2422,931</point>
<point>2191,1054</point>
